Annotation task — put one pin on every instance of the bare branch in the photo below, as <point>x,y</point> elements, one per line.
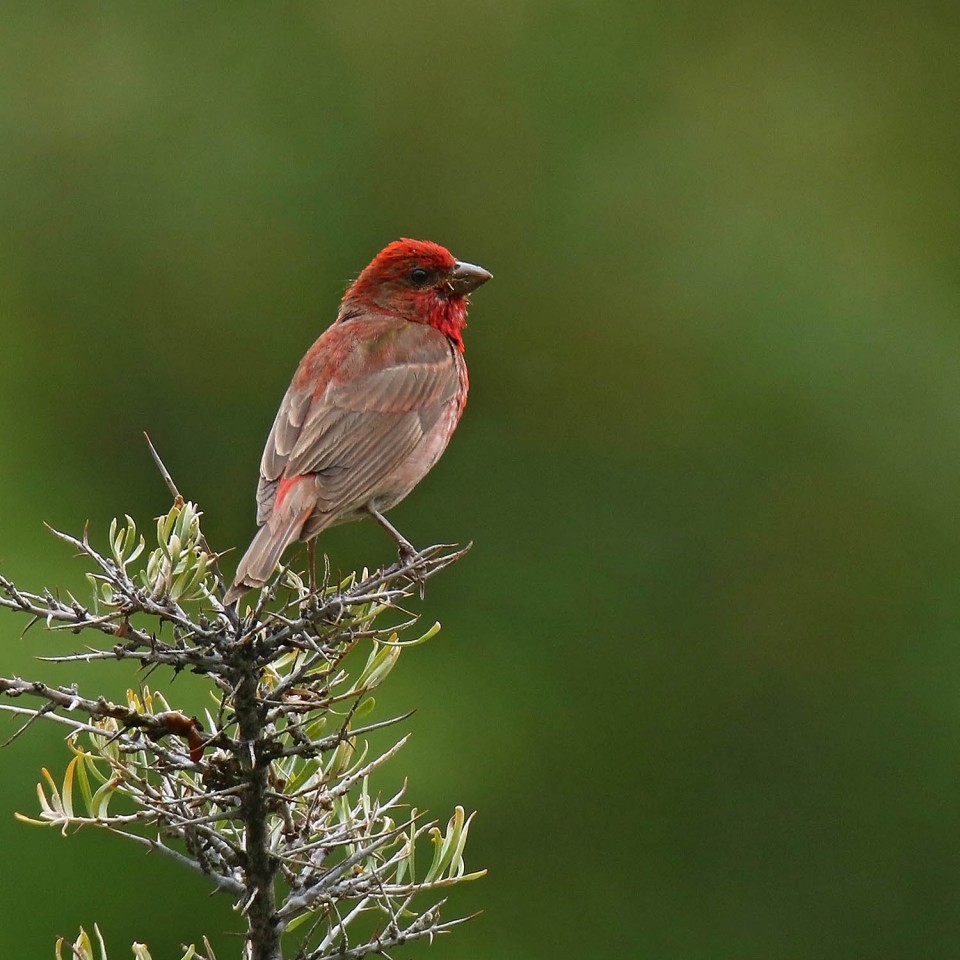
<point>269,794</point>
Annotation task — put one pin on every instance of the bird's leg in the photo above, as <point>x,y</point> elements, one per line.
<point>408,552</point>
<point>312,564</point>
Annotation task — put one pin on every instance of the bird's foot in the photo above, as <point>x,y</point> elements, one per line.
<point>413,563</point>
<point>409,555</point>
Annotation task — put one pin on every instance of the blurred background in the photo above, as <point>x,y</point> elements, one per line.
<point>701,672</point>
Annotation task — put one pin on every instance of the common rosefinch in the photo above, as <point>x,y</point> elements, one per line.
<point>371,407</point>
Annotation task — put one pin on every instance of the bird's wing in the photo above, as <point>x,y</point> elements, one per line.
<point>364,396</point>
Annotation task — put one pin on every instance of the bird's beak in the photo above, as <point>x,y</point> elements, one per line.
<point>466,277</point>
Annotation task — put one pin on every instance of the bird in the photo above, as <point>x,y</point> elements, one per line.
<point>371,407</point>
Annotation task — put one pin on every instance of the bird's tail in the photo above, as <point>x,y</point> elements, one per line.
<point>262,556</point>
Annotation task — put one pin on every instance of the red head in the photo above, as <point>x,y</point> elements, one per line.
<point>419,281</point>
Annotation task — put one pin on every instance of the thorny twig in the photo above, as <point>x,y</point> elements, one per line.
<point>273,782</point>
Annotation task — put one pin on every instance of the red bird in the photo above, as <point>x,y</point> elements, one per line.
<point>372,405</point>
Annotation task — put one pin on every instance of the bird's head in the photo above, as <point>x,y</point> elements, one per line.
<point>419,281</point>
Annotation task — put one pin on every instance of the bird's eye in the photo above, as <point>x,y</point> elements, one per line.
<point>419,276</point>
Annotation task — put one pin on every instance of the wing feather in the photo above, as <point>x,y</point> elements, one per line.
<point>363,398</point>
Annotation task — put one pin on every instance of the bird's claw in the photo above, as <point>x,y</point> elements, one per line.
<point>410,557</point>
<point>413,563</point>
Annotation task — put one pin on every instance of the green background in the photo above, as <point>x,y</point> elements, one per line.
<point>700,673</point>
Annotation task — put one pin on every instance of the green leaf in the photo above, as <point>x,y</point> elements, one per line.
<point>366,706</point>
<point>82,947</point>
<point>84,780</point>
<point>67,793</point>
<point>379,665</point>
<point>436,838</point>
<point>340,761</point>
<point>445,848</point>
<point>408,863</point>
<point>306,915</point>
<point>456,860</point>
<point>429,635</point>
<point>54,809</point>
<point>101,799</point>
